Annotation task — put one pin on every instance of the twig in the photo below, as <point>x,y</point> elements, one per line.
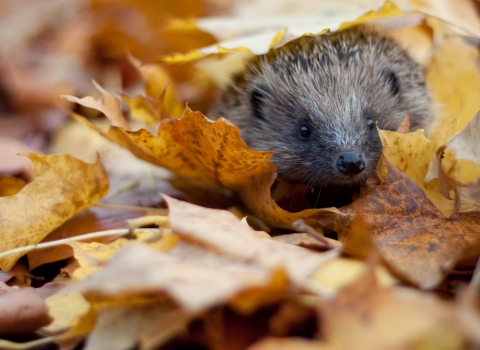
<point>6,344</point>
<point>301,226</point>
<point>28,248</point>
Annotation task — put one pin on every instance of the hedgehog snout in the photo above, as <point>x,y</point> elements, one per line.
<point>350,163</point>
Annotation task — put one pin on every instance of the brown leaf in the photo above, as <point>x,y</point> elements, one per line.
<point>107,104</point>
<point>387,318</point>
<point>22,310</point>
<point>410,233</point>
<point>404,128</point>
<point>148,326</point>
<point>137,270</point>
<point>223,232</point>
<point>63,187</point>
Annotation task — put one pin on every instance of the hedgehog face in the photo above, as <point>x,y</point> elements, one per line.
<point>319,139</point>
<point>316,101</point>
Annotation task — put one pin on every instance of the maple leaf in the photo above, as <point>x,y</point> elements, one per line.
<point>63,186</point>
<point>415,239</point>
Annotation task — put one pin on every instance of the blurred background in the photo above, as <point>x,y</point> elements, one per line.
<point>56,47</point>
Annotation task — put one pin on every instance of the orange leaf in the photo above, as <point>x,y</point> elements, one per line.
<point>63,186</point>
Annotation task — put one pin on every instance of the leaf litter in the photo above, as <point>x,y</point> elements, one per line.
<point>206,276</point>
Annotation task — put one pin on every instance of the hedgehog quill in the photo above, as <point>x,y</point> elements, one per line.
<point>316,102</point>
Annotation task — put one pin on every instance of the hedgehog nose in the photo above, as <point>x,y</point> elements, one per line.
<point>350,163</point>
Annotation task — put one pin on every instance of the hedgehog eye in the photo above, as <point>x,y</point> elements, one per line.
<point>304,131</point>
<point>392,81</point>
<point>370,124</point>
<point>257,101</point>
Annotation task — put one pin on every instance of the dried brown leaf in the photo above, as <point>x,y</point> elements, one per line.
<point>411,234</point>
<point>22,310</point>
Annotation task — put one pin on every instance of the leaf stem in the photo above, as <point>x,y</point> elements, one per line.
<point>121,232</point>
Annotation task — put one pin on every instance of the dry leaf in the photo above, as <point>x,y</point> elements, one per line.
<point>454,80</point>
<point>223,232</point>
<point>137,270</point>
<point>22,310</point>
<point>262,42</point>
<point>66,307</point>
<point>211,152</point>
<point>416,240</point>
<point>411,153</point>
<point>387,318</point>
<point>466,144</point>
<point>147,326</point>
<point>63,186</point>
<point>10,185</point>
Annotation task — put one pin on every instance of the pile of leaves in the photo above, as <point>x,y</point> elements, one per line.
<point>92,256</point>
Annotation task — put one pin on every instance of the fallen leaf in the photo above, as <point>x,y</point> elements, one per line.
<point>415,239</point>
<point>466,144</point>
<point>147,326</point>
<point>211,152</point>
<point>22,310</point>
<point>271,343</point>
<point>137,270</point>
<point>454,80</point>
<point>387,318</point>
<point>338,273</point>
<point>107,104</point>
<point>263,41</point>
<point>66,307</point>
<point>10,185</point>
<point>226,234</point>
<point>93,219</point>
<point>412,153</point>
<point>63,186</point>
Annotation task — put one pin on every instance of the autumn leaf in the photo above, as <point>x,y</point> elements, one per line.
<point>149,325</point>
<point>454,80</point>
<point>63,186</point>
<point>415,239</point>
<point>261,43</point>
<point>364,308</point>
<point>226,234</point>
<point>137,270</point>
<point>466,144</point>
<point>212,152</point>
<point>107,104</point>
<point>22,310</point>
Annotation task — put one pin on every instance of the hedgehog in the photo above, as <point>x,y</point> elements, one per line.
<point>317,102</point>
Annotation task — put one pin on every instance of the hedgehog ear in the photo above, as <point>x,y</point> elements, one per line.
<point>257,99</point>
<point>392,81</point>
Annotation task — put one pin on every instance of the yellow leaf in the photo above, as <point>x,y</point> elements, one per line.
<point>66,307</point>
<point>454,79</point>
<point>63,187</point>
<point>411,153</point>
<point>262,43</point>
<point>107,104</point>
<point>387,11</point>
